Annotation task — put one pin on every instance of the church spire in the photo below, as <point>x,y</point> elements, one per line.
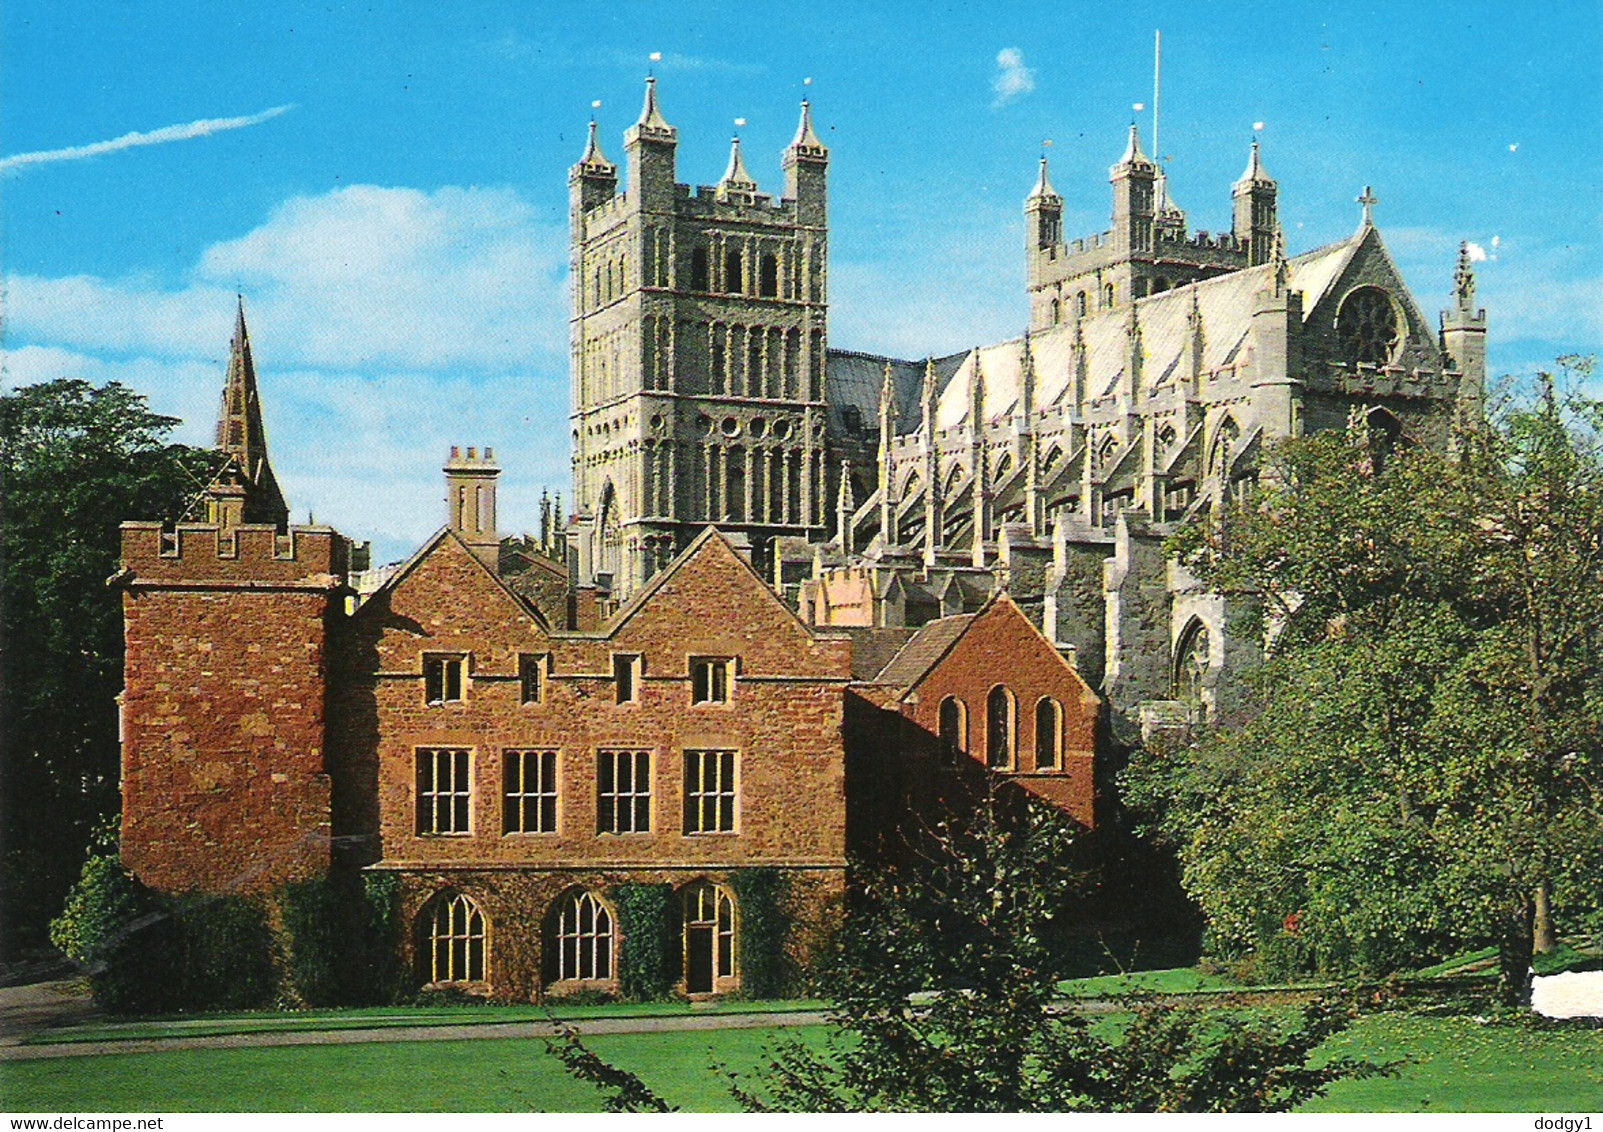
<point>651,119</point>
<point>1464,282</point>
<point>806,142</point>
<point>1133,154</point>
<point>244,489</point>
<point>736,178</point>
<point>594,161</point>
<point>1043,190</point>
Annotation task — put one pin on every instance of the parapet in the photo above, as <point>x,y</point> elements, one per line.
<point>249,555</point>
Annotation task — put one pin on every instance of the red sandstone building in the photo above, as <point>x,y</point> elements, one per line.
<point>453,728</point>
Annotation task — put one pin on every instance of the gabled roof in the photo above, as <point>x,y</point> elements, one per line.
<point>924,651</point>
<point>428,548</point>
<point>697,545</point>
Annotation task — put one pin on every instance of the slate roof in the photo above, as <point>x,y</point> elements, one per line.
<point>872,649</point>
<point>855,379</point>
<point>924,651</point>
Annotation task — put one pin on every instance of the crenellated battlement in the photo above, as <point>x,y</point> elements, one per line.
<point>310,557</point>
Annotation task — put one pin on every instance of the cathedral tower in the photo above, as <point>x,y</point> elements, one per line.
<point>698,337</point>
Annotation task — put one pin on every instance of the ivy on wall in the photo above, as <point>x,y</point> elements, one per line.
<point>764,927</point>
<point>647,961</point>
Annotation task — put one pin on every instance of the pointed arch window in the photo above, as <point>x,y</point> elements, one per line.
<point>1081,304</point>
<point>1048,734</point>
<point>709,919</point>
<point>953,725</point>
<point>1000,728</point>
<point>1191,663</point>
<point>579,939</point>
<point>457,941</point>
<point>1367,327</point>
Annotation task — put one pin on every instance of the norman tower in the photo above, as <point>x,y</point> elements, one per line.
<point>698,354</point>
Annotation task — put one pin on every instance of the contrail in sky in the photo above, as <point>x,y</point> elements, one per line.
<point>166,134</point>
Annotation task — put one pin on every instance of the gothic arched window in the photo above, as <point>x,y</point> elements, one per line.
<point>1107,294</point>
<point>1081,304</point>
<point>456,941</point>
<point>999,729</point>
<point>579,938</point>
<point>709,918</point>
<point>953,726</point>
<point>1191,662</point>
<point>1048,734</point>
<point>1367,327</point>
<point>1057,312</point>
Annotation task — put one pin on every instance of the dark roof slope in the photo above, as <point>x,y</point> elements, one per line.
<point>924,651</point>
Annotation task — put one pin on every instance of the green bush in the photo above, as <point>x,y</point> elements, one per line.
<point>764,927</point>
<point>385,978</point>
<point>228,951</point>
<point>311,911</point>
<point>646,967</point>
<point>105,898</point>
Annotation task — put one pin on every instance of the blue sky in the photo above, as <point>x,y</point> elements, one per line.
<point>387,185</point>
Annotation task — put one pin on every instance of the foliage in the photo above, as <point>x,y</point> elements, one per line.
<point>149,953</point>
<point>310,911</point>
<point>76,461</point>
<point>645,966</point>
<point>1421,767</point>
<point>384,977</point>
<point>764,927</point>
<point>945,983</point>
<point>622,1091</point>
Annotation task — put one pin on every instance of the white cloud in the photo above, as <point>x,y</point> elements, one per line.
<point>387,324</point>
<point>1012,77</point>
<point>184,132</point>
<point>1476,253</point>
<point>356,278</point>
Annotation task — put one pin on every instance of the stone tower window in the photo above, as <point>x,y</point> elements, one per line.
<point>732,279</point>
<point>1057,312</point>
<point>1367,327</point>
<point>768,276</point>
<point>1107,294</point>
<point>699,280</point>
<point>1081,305</point>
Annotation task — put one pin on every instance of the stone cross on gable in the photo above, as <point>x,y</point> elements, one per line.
<point>1369,200</point>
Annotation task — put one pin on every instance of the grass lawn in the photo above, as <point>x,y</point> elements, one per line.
<point>509,1075</point>
<point>1453,1065</point>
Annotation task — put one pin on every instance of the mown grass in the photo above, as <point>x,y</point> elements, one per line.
<point>389,1017</point>
<point>1450,1064</point>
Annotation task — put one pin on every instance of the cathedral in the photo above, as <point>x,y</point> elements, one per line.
<point>1157,364</point>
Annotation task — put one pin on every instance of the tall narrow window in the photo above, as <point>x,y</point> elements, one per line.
<point>954,726</point>
<point>1107,295</point>
<point>531,677</point>
<point>1080,304</point>
<point>709,791</point>
<point>456,941</point>
<point>583,943</point>
<point>444,790</point>
<point>442,679</point>
<point>698,269</point>
<point>625,674</point>
<point>1048,734</point>
<point>999,729</point>
<point>710,679</point>
<point>529,803</point>
<point>768,278</point>
<point>732,280</point>
<point>709,919</point>
<point>623,792</point>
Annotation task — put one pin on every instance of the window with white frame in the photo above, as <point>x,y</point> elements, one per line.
<point>709,791</point>
<point>457,941</point>
<point>583,938</point>
<point>623,792</point>
<point>444,790</point>
<point>710,679</point>
<point>444,678</point>
<point>529,803</point>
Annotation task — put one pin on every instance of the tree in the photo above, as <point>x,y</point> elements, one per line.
<point>945,984</point>
<point>76,460</point>
<point>1421,767</point>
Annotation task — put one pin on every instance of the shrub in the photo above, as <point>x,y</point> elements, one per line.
<point>310,911</point>
<point>764,926</point>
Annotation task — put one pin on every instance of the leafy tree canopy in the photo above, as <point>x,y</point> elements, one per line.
<point>76,462</point>
<point>1421,766</point>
